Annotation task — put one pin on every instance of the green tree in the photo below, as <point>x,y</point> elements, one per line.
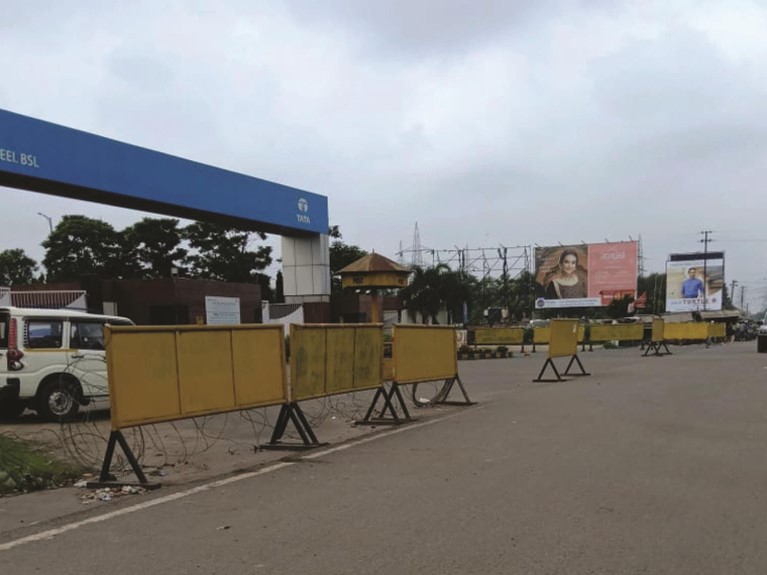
<point>16,268</point>
<point>153,248</point>
<point>341,255</point>
<point>422,295</point>
<point>279,288</point>
<point>263,280</point>
<point>488,293</point>
<point>654,285</point>
<point>618,308</point>
<point>521,296</point>
<point>81,246</point>
<point>727,303</point>
<point>222,253</point>
<point>435,288</point>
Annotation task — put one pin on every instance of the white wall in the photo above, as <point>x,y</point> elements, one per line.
<point>306,269</point>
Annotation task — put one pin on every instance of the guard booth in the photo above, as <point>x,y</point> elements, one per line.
<point>373,273</point>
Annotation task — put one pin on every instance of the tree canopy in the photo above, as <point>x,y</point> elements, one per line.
<point>341,255</point>
<point>80,246</point>
<point>222,253</point>
<point>16,268</point>
<point>152,248</point>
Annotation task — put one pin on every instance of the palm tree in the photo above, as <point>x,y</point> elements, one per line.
<point>434,288</point>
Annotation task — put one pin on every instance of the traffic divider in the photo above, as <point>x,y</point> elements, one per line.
<point>717,331</point>
<point>688,331</point>
<point>327,359</point>
<point>542,334</point>
<point>502,336</point>
<point>599,333</point>
<point>657,339</point>
<point>330,359</point>
<point>161,374</point>
<point>563,342</point>
<point>420,353</point>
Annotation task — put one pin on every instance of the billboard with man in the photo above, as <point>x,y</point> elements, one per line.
<point>695,281</point>
<point>585,275</point>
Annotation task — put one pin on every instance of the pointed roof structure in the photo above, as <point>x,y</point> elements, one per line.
<point>374,271</point>
<point>373,263</point>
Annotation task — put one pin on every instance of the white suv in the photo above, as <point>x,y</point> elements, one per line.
<point>52,361</point>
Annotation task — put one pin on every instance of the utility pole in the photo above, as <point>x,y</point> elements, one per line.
<point>705,241</point>
<point>742,296</point>
<point>732,292</point>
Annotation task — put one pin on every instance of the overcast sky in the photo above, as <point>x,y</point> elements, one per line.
<point>488,122</point>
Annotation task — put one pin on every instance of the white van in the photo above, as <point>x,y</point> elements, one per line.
<point>52,361</point>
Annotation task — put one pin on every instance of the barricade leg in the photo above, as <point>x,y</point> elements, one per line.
<point>388,405</point>
<point>106,479</point>
<point>655,347</point>
<point>395,391</point>
<point>292,412</point>
<point>577,360</point>
<point>448,388</point>
<point>543,369</point>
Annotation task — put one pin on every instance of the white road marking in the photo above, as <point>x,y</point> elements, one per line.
<point>51,533</point>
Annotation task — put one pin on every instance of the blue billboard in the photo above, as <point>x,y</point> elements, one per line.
<point>52,159</point>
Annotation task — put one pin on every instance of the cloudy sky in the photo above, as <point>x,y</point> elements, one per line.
<point>490,122</point>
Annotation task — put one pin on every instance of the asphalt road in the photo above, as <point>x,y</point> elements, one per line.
<point>650,465</point>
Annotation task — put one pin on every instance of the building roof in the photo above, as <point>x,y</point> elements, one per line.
<point>373,263</point>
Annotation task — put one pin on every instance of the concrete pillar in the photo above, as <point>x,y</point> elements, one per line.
<point>306,269</point>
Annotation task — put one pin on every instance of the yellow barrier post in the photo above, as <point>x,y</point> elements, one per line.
<point>657,339</point>
<point>563,342</point>
<point>421,353</point>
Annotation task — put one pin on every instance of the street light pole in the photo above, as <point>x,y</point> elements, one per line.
<point>50,221</point>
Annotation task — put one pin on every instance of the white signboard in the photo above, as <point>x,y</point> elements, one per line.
<point>222,310</point>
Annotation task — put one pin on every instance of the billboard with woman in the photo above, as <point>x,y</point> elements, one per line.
<point>584,275</point>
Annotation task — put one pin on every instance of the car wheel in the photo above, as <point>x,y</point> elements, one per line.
<point>58,399</point>
<point>12,408</point>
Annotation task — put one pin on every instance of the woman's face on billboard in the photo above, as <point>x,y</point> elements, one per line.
<point>569,264</point>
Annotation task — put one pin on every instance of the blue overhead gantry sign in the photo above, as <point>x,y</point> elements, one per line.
<point>52,159</point>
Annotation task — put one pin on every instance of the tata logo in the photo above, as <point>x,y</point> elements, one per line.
<point>303,208</point>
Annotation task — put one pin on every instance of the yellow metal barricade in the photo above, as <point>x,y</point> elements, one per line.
<point>424,353</point>
<point>166,373</point>
<point>329,359</point>
<point>499,336</point>
<point>619,332</point>
<point>657,339</point>
<point>717,330</point>
<point>420,353</point>
<point>541,335</point>
<point>563,342</point>
<point>693,331</point>
<point>158,374</point>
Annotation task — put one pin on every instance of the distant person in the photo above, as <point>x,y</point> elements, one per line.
<point>692,287</point>
<point>567,280</point>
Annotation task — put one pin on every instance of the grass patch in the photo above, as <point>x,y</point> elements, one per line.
<point>25,466</point>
